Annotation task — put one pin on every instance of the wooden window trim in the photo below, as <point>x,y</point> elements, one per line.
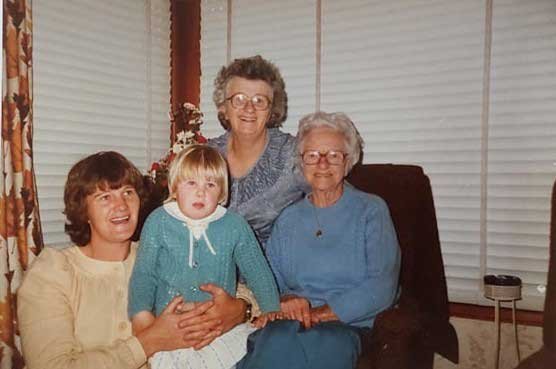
<point>185,54</point>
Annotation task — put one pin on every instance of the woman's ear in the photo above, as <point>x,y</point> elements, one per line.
<point>271,117</point>
<point>222,111</point>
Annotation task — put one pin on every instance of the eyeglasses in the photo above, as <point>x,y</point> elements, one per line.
<point>312,157</point>
<point>240,100</point>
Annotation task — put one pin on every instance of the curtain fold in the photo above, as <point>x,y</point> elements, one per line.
<point>20,230</point>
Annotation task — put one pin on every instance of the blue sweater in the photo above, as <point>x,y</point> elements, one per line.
<point>353,266</point>
<point>162,271</point>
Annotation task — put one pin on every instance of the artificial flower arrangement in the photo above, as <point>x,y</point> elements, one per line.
<point>186,122</point>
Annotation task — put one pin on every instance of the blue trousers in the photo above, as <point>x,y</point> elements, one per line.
<point>286,344</point>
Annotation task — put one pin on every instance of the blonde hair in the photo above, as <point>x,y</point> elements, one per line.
<point>199,161</point>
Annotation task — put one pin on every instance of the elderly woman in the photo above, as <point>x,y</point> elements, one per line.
<point>72,304</point>
<point>335,256</point>
<point>251,100</point>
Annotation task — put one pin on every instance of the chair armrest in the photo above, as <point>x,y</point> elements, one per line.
<point>394,342</point>
<point>395,321</point>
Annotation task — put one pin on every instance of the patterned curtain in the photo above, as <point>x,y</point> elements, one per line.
<point>20,231</point>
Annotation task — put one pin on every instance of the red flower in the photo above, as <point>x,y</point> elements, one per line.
<point>155,166</point>
<point>200,138</point>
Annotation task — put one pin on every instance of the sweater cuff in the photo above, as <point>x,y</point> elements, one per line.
<point>136,352</point>
<point>340,308</point>
<point>245,293</point>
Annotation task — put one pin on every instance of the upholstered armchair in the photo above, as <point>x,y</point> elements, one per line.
<point>546,357</point>
<point>408,335</point>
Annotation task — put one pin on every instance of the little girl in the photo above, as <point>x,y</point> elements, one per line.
<point>192,240</point>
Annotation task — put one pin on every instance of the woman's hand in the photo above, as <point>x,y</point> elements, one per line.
<point>262,320</point>
<point>296,308</point>
<point>323,314</point>
<point>172,330</point>
<point>228,310</point>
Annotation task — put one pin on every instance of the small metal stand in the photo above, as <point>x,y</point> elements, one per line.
<point>503,288</point>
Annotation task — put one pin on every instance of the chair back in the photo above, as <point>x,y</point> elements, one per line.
<point>407,191</point>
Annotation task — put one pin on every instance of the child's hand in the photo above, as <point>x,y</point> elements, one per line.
<point>263,319</point>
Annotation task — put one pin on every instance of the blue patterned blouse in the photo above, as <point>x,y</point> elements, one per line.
<point>271,185</point>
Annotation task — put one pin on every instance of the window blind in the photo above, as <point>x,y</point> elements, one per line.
<point>158,78</point>
<point>213,56</point>
<point>411,74</point>
<point>522,142</point>
<point>100,83</point>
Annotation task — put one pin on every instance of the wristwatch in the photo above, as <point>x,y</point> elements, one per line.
<point>248,310</point>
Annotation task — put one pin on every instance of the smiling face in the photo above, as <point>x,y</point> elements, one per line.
<point>197,198</point>
<point>322,176</point>
<point>246,121</point>
<point>113,215</point>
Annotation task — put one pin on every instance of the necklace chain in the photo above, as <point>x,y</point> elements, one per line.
<point>319,232</point>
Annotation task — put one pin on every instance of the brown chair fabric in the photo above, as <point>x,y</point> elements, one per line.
<point>408,335</point>
<point>546,357</point>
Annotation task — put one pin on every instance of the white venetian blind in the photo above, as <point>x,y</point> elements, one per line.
<point>522,142</point>
<point>410,76</point>
<point>158,78</point>
<point>281,31</point>
<point>214,26</point>
<point>413,77</point>
<point>101,82</point>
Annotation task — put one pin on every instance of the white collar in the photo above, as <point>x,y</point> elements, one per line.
<point>197,227</point>
<point>174,210</point>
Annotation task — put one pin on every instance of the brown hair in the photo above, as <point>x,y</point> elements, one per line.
<point>199,161</point>
<point>103,170</point>
<point>253,68</point>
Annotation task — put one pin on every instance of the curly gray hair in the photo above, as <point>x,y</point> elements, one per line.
<point>253,68</point>
<point>337,121</point>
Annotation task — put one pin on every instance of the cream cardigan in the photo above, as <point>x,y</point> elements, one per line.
<point>72,313</point>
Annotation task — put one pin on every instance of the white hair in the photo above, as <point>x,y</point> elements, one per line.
<point>337,121</point>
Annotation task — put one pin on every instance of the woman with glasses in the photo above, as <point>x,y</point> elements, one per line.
<point>251,100</point>
<point>334,254</point>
